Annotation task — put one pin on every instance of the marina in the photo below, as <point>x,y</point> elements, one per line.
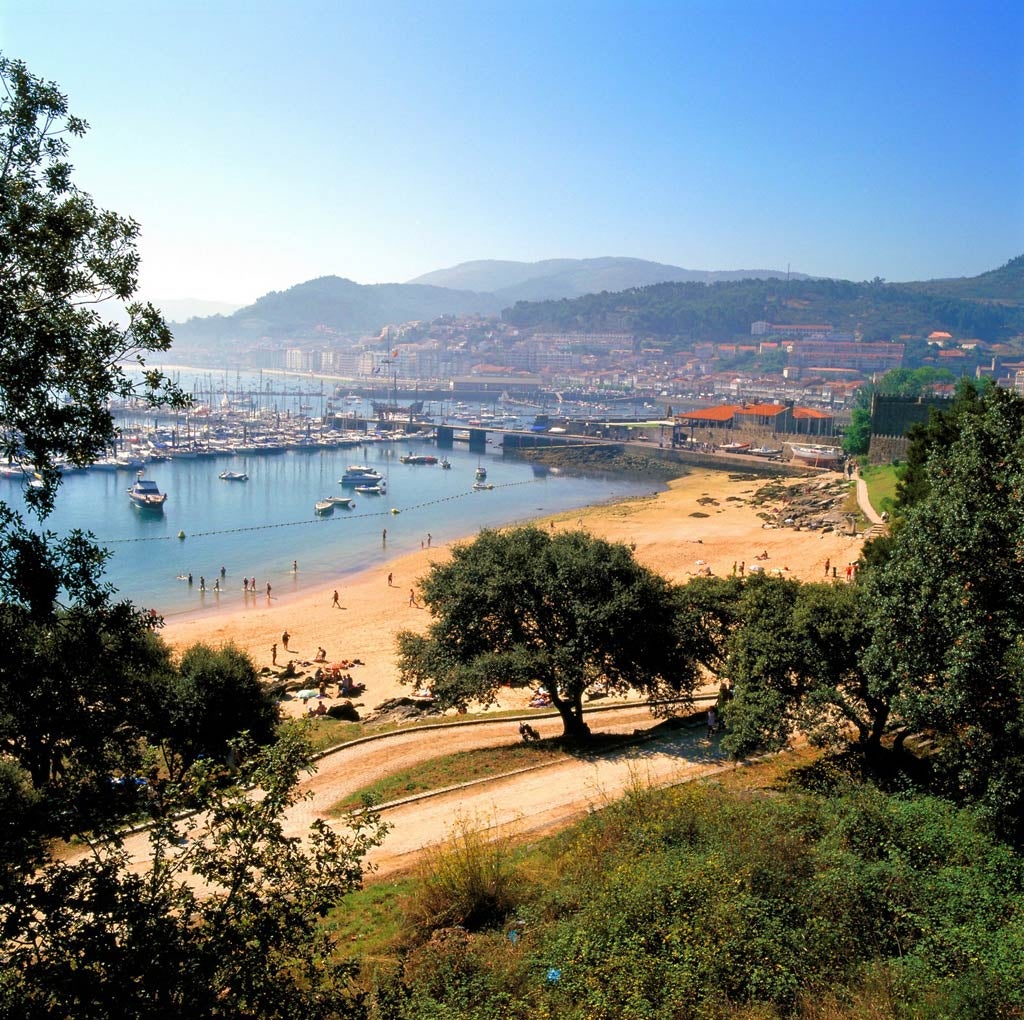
<point>260,528</point>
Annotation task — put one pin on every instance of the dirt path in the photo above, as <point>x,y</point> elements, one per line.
<point>528,802</point>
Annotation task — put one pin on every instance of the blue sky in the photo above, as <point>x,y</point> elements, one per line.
<point>263,144</point>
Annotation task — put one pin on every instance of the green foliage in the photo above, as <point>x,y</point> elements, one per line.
<point>222,922</point>
<point>693,902</point>
<point>948,609</point>
<point>794,659</point>
<point>470,881</point>
<point>199,707</point>
<point>698,311</point>
<point>524,607</point>
<point>60,255</point>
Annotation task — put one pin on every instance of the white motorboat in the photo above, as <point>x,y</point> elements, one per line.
<point>323,507</point>
<point>817,456</point>
<point>233,476</point>
<point>346,501</point>
<point>146,495</point>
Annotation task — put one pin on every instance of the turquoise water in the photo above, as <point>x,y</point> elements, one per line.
<point>258,528</point>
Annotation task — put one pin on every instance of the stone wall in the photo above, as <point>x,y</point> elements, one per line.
<point>886,449</point>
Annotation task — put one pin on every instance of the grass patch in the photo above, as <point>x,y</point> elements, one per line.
<point>449,770</point>
<point>881,480</point>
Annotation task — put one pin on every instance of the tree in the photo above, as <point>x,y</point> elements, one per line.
<point>563,611</point>
<point>223,920</point>
<point>207,700</point>
<point>948,609</point>
<point>794,659</point>
<point>60,257</point>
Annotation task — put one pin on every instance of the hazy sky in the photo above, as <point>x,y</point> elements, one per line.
<point>262,144</point>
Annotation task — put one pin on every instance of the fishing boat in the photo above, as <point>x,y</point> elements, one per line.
<point>817,456</point>
<point>145,495</point>
<point>323,507</point>
<point>346,501</point>
<point>771,452</point>
<point>482,485</point>
<point>233,476</point>
<point>734,447</point>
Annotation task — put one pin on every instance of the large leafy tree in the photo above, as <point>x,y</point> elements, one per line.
<point>794,659</point>
<point>222,922</point>
<point>61,257</point>
<point>948,609</point>
<point>198,707</point>
<point>564,611</point>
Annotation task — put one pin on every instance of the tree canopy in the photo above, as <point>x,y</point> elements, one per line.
<point>61,257</point>
<point>563,611</point>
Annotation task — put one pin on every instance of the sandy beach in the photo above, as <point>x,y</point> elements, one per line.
<point>663,528</point>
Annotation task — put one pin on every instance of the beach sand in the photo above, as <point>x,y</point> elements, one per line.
<point>666,536</point>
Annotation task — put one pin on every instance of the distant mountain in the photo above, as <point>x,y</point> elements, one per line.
<point>333,304</point>
<point>552,279</point>
<point>180,309</point>
<point>1004,285</point>
<point>989,307</point>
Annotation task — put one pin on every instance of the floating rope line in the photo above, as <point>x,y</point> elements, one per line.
<point>316,520</point>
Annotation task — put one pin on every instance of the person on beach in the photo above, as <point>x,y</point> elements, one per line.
<point>268,589</point>
<point>190,577</point>
<point>429,539</point>
<point>202,583</point>
<point>223,571</point>
<point>828,564</point>
<point>273,654</point>
<point>390,579</point>
<point>743,567</point>
<point>245,584</point>
<point>384,536</point>
<point>295,566</point>
<point>216,585</point>
<point>412,597</point>
<point>335,603</point>
<point>284,640</point>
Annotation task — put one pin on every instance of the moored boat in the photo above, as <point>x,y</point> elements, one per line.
<point>481,473</point>
<point>817,456</point>
<point>360,474</point>
<point>346,501</point>
<point>482,485</point>
<point>378,489</point>
<point>146,495</point>
<point>233,476</point>
<point>323,507</point>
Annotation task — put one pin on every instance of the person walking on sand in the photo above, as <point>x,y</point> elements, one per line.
<point>284,640</point>
<point>273,654</point>
<point>430,538</point>
<point>828,565</point>
<point>390,579</point>
<point>743,567</point>
<point>412,596</point>
<point>268,589</point>
<point>335,603</point>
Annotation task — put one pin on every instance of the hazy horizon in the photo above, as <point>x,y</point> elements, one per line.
<point>260,148</point>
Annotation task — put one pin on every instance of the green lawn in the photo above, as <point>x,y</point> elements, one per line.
<point>881,481</point>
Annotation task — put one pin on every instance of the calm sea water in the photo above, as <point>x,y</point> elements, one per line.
<point>258,528</point>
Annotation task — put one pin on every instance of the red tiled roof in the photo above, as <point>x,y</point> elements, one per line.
<point>764,409</point>
<point>809,412</point>
<point>721,413</point>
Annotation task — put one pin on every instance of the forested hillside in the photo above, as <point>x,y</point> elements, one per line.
<point>695,311</point>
